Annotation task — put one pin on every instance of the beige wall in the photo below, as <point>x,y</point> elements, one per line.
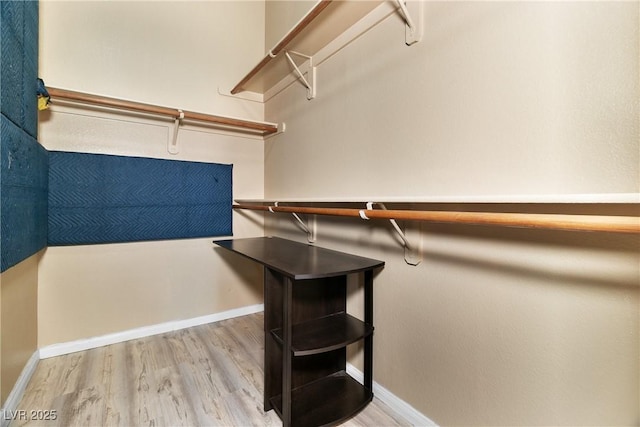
<point>174,53</point>
<point>18,320</point>
<point>169,53</point>
<point>281,16</point>
<point>495,326</point>
<point>499,98</point>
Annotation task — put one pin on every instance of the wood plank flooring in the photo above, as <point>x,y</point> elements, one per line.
<point>209,375</point>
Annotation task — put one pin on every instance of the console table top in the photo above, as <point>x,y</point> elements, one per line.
<point>298,260</point>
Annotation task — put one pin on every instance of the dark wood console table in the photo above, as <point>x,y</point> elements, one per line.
<point>307,330</point>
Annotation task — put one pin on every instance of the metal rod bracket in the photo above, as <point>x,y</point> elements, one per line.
<point>310,81</point>
<point>413,250</point>
<point>309,228</point>
<point>414,27</point>
<point>172,146</point>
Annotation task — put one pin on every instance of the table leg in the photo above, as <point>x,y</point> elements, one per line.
<point>368,341</point>
<point>268,342</point>
<point>287,354</point>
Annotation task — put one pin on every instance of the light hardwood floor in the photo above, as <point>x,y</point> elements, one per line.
<point>209,375</point>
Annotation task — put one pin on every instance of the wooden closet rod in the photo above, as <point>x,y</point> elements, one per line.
<point>304,22</point>
<point>261,128</point>
<point>611,224</point>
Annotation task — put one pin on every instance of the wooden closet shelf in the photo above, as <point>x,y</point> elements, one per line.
<point>321,25</point>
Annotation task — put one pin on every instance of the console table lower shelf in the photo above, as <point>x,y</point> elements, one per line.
<point>307,330</point>
<point>327,401</point>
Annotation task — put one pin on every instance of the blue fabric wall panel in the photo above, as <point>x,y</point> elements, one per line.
<point>19,65</point>
<point>30,68</point>
<point>23,162</point>
<point>96,198</point>
<point>23,194</point>
<point>11,81</point>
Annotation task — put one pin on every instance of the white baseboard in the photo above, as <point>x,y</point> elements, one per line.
<point>14,398</point>
<point>95,342</point>
<point>399,406</point>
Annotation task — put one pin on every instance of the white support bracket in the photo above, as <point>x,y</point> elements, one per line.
<point>414,27</point>
<point>309,229</point>
<point>413,250</point>
<point>310,81</point>
<point>172,145</point>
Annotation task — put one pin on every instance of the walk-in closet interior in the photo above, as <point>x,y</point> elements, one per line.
<point>320,212</point>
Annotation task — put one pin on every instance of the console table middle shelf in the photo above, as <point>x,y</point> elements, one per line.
<point>307,329</point>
